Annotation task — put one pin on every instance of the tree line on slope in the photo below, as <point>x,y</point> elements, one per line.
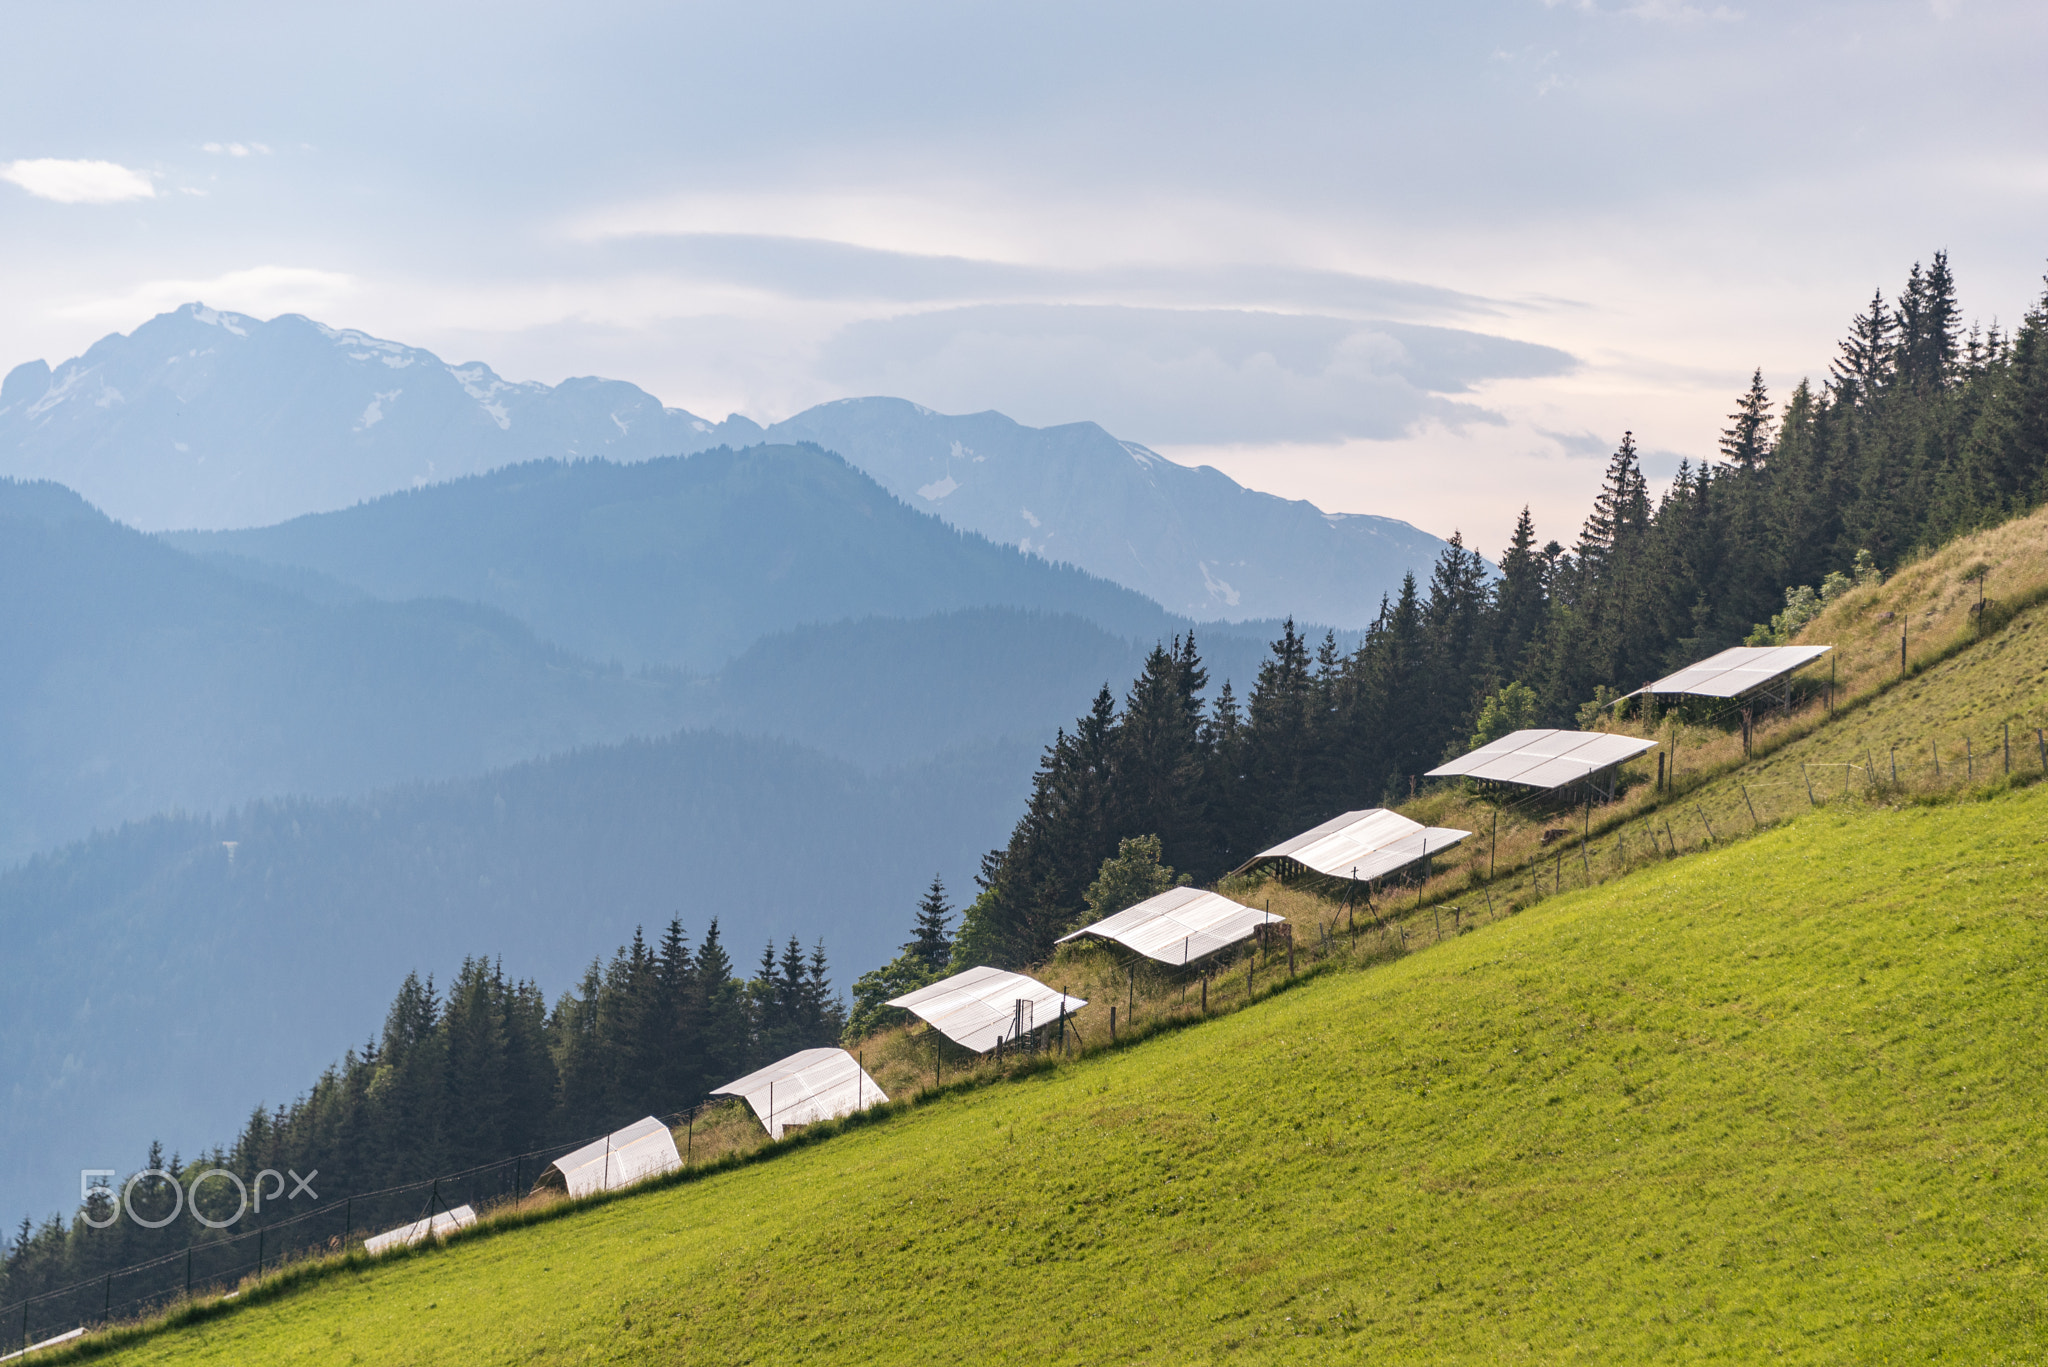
<point>1920,433</point>
<point>473,1074</point>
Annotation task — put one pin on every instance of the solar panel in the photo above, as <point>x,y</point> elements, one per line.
<point>1361,846</point>
<point>978,1008</point>
<point>1736,671</point>
<point>642,1150</point>
<point>1179,926</point>
<point>806,1087</point>
<point>438,1226</point>
<point>1544,759</point>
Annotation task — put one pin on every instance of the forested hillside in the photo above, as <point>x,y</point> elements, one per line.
<point>140,680</point>
<point>467,1074</point>
<point>1919,431</point>
<point>268,938</point>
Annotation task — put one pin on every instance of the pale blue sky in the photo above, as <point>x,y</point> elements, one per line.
<point>1197,225</point>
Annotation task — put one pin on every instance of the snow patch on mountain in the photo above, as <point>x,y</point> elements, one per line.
<point>374,412</point>
<point>1219,590</point>
<point>480,384</point>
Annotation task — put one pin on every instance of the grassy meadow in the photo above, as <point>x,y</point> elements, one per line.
<point>1776,1100</point>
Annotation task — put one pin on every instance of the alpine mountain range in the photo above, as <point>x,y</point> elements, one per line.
<point>331,661</point>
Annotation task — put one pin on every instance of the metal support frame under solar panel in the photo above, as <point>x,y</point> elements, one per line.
<point>1601,783</point>
<point>1294,874</point>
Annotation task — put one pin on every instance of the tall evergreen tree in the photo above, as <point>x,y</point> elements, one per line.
<point>931,938</point>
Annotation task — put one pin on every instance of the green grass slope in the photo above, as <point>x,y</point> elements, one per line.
<point>1778,1100</point>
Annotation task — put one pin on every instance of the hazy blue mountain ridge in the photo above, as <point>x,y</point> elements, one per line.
<point>679,561</point>
<point>142,679</point>
<point>139,679</point>
<point>1191,538</point>
<point>209,420</point>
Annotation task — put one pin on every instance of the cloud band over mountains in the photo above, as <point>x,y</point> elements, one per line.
<point>1187,375</point>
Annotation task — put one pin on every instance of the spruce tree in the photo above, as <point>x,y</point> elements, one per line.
<point>931,938</point>
<point>1746,441</point>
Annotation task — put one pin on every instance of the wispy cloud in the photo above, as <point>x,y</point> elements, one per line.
<point>1186,375</point>
<point>78,182</point>
<point>814,269</point>
<point>236,149</point>
<point>258,290</point>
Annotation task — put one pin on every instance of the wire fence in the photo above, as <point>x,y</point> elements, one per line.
<point>1714,808</point>
<point>223,1259</point>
